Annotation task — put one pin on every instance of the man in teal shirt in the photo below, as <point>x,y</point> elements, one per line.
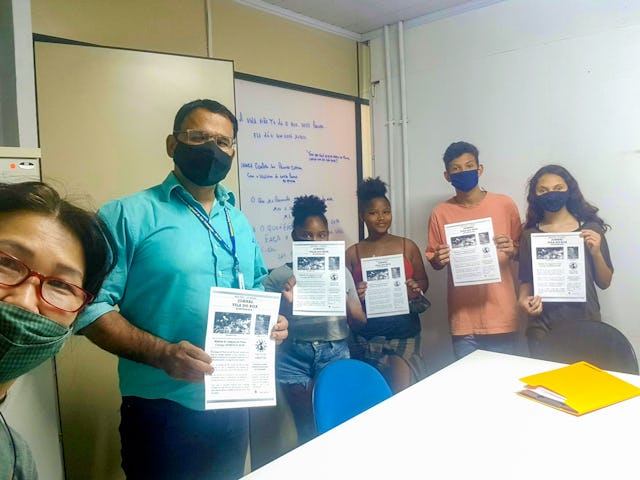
<point>175,241</point>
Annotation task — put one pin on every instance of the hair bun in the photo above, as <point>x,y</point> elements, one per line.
<point>371,188</point>
<point>308,206</point>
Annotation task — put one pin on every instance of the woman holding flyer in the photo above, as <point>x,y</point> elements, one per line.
<point>556,205</point>
<point>390,343</point>
<point>314,341</point>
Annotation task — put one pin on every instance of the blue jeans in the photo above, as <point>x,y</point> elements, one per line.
<point>163,440</point>
<point>463,345</point>
<point>300,361</point>
<point>297,366</point>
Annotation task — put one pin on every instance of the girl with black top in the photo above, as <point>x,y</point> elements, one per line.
<point>556,205</point>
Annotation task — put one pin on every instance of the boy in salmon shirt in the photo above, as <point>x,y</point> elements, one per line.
<point>480,316</point>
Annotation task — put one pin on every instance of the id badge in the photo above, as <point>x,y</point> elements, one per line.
<point>240,278</point>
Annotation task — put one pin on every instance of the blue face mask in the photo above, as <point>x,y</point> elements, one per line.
<point>464,181</point>
<point>552,201</point>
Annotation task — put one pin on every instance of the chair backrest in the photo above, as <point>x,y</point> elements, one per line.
<point>344,389</point>
<point>598,343</point>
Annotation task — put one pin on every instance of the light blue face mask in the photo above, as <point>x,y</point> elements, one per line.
<point>26,340</point>
<point>464,181</point>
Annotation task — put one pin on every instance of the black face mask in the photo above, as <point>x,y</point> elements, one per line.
<point>551,201</point>
<point>205,165</point>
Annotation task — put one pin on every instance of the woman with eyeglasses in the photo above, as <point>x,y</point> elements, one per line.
<point>314,341</point>
<point>53,259</point>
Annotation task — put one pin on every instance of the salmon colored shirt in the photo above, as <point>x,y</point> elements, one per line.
<point>480,309</point>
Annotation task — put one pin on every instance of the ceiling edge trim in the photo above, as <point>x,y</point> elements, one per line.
<point>435,16</point>
<point>298,18</point>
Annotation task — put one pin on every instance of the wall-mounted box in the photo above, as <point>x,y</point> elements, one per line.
<point>19,164</point>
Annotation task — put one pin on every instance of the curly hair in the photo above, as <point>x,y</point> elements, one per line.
<point>369,189</point>
<point>308,206</point>
<point>582,210</point>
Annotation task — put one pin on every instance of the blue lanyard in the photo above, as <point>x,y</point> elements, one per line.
<point>230,249</point>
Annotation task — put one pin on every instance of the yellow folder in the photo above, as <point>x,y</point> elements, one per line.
<point>578,388</point>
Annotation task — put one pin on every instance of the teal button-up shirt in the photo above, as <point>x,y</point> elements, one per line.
<point>167,262</point>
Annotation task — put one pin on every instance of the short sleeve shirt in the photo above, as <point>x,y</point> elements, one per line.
<point>167,263</point>
<point>479,309</point>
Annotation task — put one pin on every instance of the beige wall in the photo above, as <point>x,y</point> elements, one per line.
<point>170,26</point>
<point>259,44</point>
<point>274,47</point>
<point>91,150</point>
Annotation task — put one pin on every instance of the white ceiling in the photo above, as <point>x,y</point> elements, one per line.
<point>355,18</point>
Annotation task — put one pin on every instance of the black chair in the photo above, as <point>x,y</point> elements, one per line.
<point>595,342</point>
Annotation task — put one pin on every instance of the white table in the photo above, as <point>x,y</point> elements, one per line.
<point>466,421</point>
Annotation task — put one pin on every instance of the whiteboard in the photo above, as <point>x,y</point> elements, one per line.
<point>291,143</point>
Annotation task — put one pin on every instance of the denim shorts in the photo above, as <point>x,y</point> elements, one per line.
<point>300,361</point>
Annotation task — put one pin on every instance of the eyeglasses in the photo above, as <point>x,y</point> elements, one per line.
<point>198,137</point>
<point>59,294</point>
